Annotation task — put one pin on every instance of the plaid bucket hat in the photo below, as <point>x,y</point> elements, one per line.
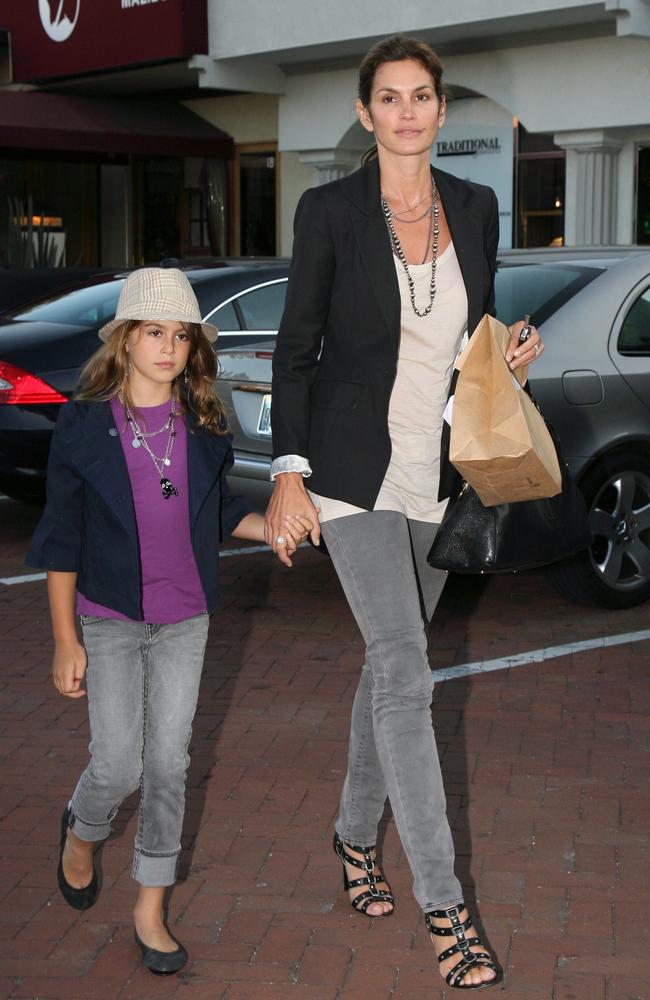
<point>162,293</point>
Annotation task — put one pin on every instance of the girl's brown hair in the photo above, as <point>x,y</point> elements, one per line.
<point>106,374</point>
<point>396,49</point>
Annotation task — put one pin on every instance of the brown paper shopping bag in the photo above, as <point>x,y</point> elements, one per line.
<point>499,441</point>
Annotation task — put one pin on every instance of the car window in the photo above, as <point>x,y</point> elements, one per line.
<point>262,308</point>
<point>538,289</point>
<point>90,306</point>
<point>225,318</point>
<point>634,337</point>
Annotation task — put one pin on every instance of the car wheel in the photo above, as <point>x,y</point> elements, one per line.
<point>615,571</point>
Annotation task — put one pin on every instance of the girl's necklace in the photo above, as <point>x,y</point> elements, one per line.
<point>140,440</point>
<point>434,229</point>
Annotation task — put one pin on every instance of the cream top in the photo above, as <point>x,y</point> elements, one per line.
<point>428,348</point>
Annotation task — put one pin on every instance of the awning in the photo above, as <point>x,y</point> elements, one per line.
<point>39,120</point>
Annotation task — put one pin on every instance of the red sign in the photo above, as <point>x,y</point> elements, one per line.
<point>56,38</point>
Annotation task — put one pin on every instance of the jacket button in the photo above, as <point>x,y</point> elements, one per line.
<point>113,432</point>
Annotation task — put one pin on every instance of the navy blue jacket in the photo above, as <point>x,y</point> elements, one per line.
<point>89,525</point>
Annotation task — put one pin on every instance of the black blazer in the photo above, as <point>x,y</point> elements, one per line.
<point>335,359</point>
<point>89,525</point>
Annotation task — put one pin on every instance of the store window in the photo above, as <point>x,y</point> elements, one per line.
<point>643,196</point>
<point>159,184</point>
<point>49,203</point>
<point>255,223</point>
<point>539,190</point>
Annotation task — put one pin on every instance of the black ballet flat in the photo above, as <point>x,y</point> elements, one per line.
<point>79,899</point>
<point>162,963</point>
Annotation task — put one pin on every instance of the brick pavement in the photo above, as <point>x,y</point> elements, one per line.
<point>545,769</point>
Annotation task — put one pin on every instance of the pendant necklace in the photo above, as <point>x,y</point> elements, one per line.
<point>140,440</point>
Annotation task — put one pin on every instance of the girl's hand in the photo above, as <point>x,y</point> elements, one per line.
<point>295,529</point>
<point>69,667</point>
<point>523,354</point>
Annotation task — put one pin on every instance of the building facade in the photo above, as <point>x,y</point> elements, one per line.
<point>548,103</point>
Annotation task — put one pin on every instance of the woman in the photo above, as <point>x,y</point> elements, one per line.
<point>390,266</point>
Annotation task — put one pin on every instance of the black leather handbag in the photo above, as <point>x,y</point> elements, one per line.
<point>511,536</point>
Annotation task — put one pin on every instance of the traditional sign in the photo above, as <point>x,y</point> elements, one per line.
<point>481,153</point>
<point>468,147</point>
<point>60,38</point>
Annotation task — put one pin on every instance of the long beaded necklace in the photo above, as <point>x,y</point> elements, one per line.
<point>434,229</point>
<point>140,440</point>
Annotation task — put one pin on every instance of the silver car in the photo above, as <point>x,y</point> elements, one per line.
<point>592,383</point>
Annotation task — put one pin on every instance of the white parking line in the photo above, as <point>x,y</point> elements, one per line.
<point>538,655</point>
<point>10,581</point>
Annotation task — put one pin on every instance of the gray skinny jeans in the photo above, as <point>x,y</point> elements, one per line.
<point>143,686</point>
<point>380,559</point>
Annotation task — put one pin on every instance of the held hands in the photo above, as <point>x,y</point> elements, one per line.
<point>68,668</point>
<point>525,353</point>
<point>295,529</point>
<point>290,517</point>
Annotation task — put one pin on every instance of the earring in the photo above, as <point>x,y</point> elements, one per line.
<point>186,376</point>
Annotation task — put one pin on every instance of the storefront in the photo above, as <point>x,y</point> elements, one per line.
<point>107,180</point>
<point>549,106</point>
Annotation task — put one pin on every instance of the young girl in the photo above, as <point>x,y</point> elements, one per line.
<point>137,505</point>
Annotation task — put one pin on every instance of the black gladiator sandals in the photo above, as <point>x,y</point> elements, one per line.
<point>372,894</point>
<point>462,946</point>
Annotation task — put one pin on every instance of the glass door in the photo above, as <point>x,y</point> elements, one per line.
<point>256,178</point>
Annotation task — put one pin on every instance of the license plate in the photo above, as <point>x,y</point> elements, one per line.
<point>264,423</point>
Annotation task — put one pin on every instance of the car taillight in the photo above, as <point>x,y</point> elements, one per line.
<point>264,354</point>
<point>19,386</point>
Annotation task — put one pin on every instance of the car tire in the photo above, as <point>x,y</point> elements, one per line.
<point>615,571</point>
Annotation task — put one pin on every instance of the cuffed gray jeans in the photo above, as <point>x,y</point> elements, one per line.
<point>380,559</point>
<point>143,686</point>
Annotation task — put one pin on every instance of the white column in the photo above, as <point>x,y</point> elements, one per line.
<point>330,164</point>
<point>591,186</point>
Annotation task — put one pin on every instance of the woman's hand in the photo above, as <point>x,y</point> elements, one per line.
<point>295,530</point>
<point>523,354</point>
<point>289,498</point>
<point>69,667</point>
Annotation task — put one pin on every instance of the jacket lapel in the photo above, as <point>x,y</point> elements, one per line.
<point>205,457</point>
<point>94,446</point>
<point>362,188</point>
<point>467,236</point>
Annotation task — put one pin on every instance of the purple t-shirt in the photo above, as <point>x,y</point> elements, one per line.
<point>171,587</point>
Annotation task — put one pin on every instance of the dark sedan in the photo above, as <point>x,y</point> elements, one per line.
<point>43,346</point>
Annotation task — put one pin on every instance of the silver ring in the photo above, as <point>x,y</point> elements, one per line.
<point>538,349</point>
<point>280,540</point>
